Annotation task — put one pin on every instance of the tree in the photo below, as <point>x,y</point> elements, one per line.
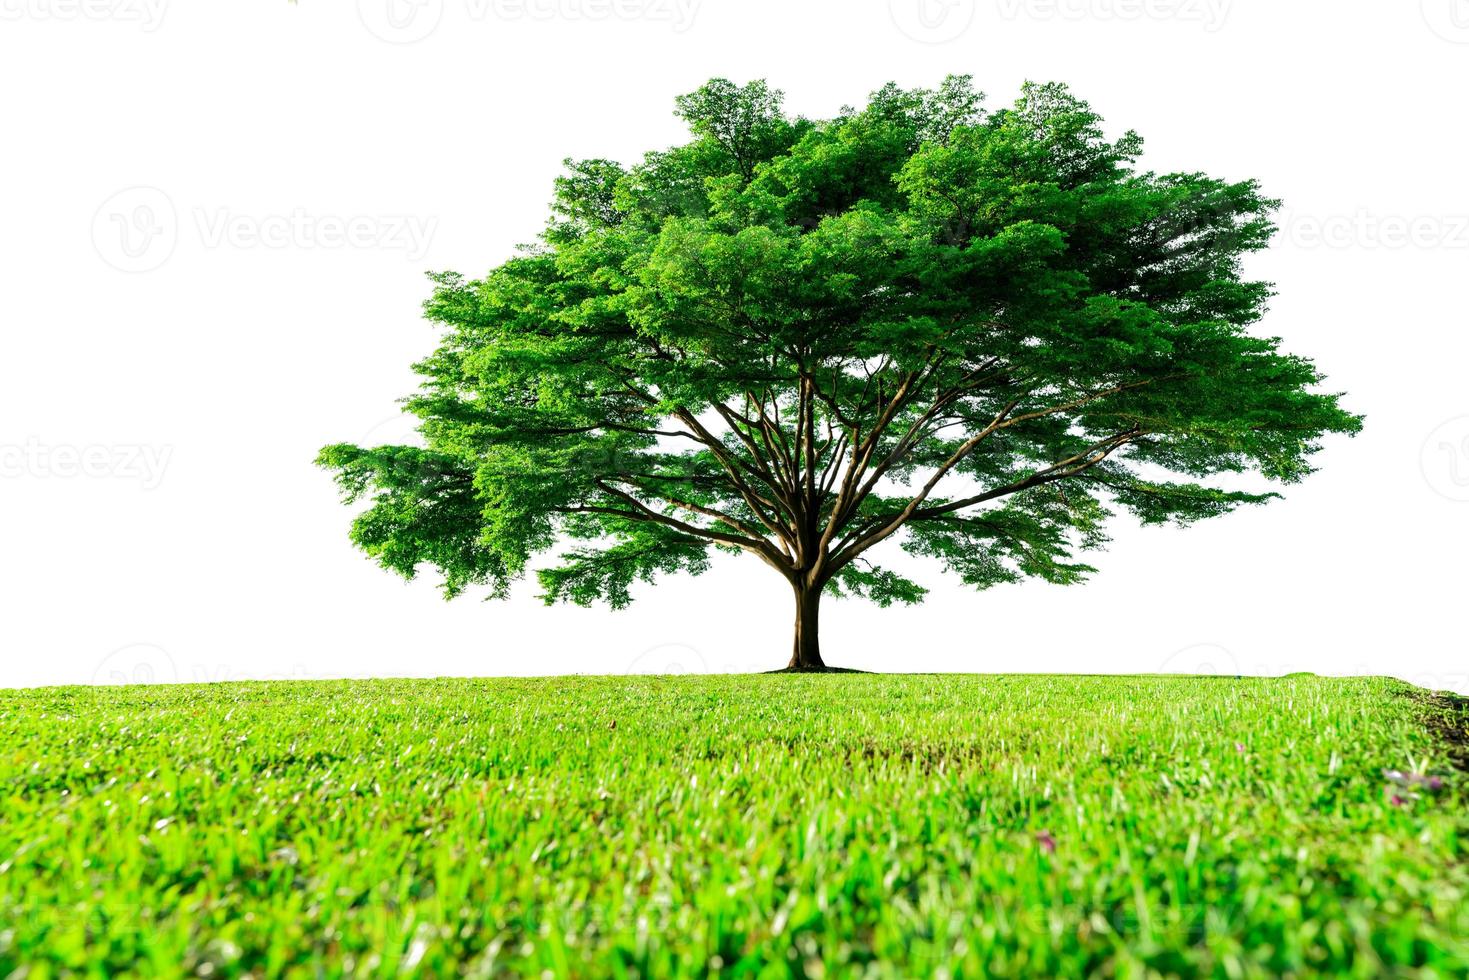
<point>973,333</point>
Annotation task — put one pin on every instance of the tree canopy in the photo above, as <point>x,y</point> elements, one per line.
<point>974,333</point>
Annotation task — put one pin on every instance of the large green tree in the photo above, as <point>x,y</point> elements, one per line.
<point>973,334</point>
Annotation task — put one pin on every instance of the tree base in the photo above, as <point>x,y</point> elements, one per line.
<point>817,670</point>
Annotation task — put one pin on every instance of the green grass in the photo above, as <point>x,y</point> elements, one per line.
<point>772,826</point>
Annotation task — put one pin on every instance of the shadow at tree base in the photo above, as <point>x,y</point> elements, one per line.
<point>818,670</point>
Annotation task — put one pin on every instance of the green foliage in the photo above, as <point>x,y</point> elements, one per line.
<point>976,332</point>
<point>753,826</point>
<point>879,585</point>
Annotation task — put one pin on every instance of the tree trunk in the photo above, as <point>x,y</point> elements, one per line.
<point>806,651</point>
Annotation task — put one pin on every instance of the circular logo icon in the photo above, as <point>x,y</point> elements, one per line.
<point>1206,659</point>
<point>399,429</point>
<point>1449,19</point>
<point>400,21</point>
<point>669,658</point>
<point>1445,459</point>
<point>135,230</point>
<point>141,663</point>
<point>932,21</point>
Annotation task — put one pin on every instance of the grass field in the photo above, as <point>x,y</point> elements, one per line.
<point>770,826</point>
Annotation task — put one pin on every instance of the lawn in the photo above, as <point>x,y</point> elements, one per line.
<point>767,825</point>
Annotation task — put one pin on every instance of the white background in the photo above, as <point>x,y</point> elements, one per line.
<point>182,331</point>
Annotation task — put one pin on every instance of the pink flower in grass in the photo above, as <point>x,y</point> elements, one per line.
<point>1046,841</point>
<point>1414,780</point>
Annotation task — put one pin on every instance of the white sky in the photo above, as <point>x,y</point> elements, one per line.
<point>159,513</point>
